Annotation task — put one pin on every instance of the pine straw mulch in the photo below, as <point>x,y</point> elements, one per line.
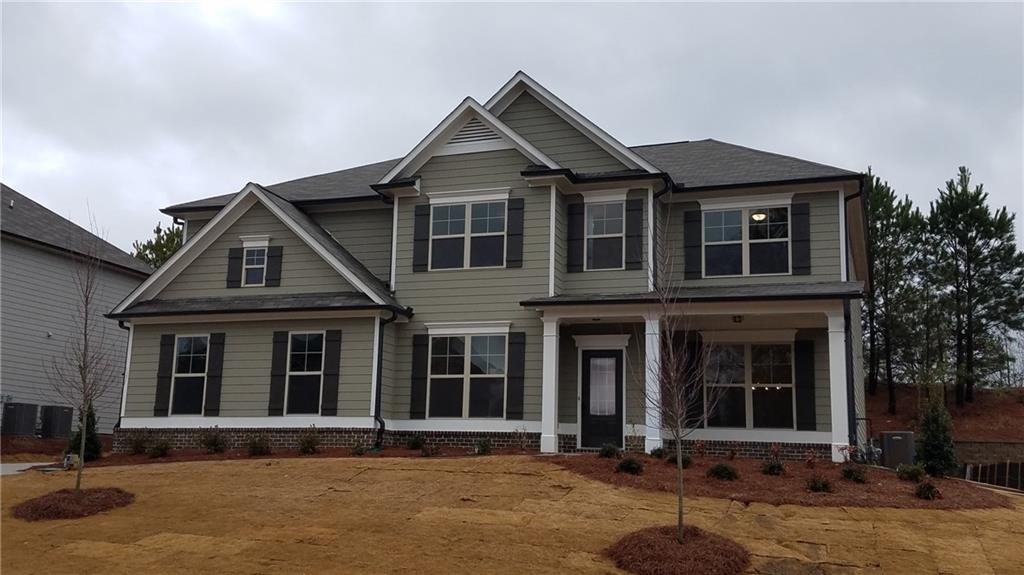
<point>882,489</point>
<point>71,504</point>
<point>655,551</point>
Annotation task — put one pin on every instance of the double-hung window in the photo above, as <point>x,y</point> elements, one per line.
<point>605,236</point>
<point>750,386</point>
<point>467,235</point>
<point>188,386</point>
<point>473,388</point>
<point>254,267</point>
<point>750,241</point>
<point>305,372</point>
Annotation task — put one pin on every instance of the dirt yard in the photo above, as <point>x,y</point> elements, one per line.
<point>504,514</point>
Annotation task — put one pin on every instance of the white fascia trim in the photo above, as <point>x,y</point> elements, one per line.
<point>255,241</point>
<point>463,196</point>
<point>595,196</point>
<point>394,242</point>
<point>258,316</point>
<point>127,368</point>
<point>442,132</point>
<point>752,201</point>
<point>616,341</point>
<point>456,424</point>
<point>551,241</point>
<point>228,422</point>
<point>750,336</point>
<point>473,147</point>
<point>762,435</point>
<point>468,327</point>
<point>522,82</point>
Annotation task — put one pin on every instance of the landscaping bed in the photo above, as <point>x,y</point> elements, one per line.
<point>881,489</point>
<point>71,504</point>
<point>655,551</point>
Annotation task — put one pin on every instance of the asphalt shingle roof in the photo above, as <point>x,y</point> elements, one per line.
<point>242,303</point>
<point>823,290</point>
<point>26,219</point>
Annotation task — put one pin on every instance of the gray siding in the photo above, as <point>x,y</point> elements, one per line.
<point>607,281</point>
<point>822,405</point>
<point>247,356</point>
<point>475,295</point>
<point>365,233</point>
<point>633,376</point>
<point>556,138</point>
<point>193,228</point>
<point>302,270</point>
<point>39,304</point>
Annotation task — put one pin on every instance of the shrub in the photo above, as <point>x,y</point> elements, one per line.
<point>138,441</point>
<point>93,446</point>
<point>907,472</point>
<point>724,472</point>
<point>309,441</point>
<point>482,446</point>
<point>429,450</point>
<point>358,450</point>
<point>699,449</point>
<point>772,468</point>
<point>416,442</point>
<point>819,484</point>
<point>259,444</point>
<point>927,490</point>
<point>671,459</point>
<point>935,442</point>
<point>608,451</point>
<point>212,440</point>
<point>854,473</point>
<point>631,466</point>
<point>810,459</point>
<point>659,452</point>
<point>732,454</point>
<point>158,448</point>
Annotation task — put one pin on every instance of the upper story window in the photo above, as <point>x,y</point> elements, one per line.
<point>188,385</point>
<point>305,372</point>
<point>254,267</point>
<point>460,388</point>
<point>749,241</point>
<point>470,235</point>
<point>605,236</point>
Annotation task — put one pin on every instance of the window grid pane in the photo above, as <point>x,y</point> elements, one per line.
<point>487,355</point>
<point>604,219</point>
<point>488,218</point>
<point>191,355</point>
<point>306,354</point>
<point>447,356</point>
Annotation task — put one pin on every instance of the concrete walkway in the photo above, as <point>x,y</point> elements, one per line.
<point>15,468</point>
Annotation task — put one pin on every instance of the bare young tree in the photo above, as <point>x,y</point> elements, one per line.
<point>84,372</point>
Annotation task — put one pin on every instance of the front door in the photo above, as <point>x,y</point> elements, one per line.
<point>601,398</point>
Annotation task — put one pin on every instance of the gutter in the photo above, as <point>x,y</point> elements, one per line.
<point>381,425</point>
<point>824,179</point>
<point>851,404</point>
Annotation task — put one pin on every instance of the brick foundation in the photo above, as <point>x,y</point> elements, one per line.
<point>757,449</point>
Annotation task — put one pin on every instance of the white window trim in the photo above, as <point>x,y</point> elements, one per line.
<point>467,377</point>
<point>255,241</point>
<point>745,242</point>
<point>748,387</point>
<point>468,235</point>
<point>737,202</point>
<point>587,236</point>
<point>246,266</point>
<point>175,374</point>
<point>467,196</point>
<point>443,328</point>
<point>289,373</point>
<point>615,342</point>
<point>605,196</point>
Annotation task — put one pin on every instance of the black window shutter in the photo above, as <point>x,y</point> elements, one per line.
<point>514,234</point>
<point>332,370</point>
<point>574,256</point>
<point>421,239</point>
<point>214,370</point>
<point>234,267</point>
<point>691,244</point>
<point>420,360</point>
<point>278,373</point>
<point>800,230</point>
<point>634,234</point>
<point>273,272</point>
<point>516,375</point>
<point>803,356</point>
<point>165,369</point>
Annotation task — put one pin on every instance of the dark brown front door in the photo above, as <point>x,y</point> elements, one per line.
<point>601,408</point>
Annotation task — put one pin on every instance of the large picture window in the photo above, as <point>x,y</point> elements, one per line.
<point>467,387</point>
<point>753,241</point>
<point>188,386</point>
<point>605,236</point>
<point>305,372</point>
<point>467,235</point>
<point>750,386</point>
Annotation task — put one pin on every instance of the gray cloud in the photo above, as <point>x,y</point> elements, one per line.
<point>129,108</point>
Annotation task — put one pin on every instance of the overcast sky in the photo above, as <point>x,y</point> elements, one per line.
<point>124,109</point>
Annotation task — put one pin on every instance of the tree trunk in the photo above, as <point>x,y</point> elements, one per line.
<point>969,361</point>
<point>872,350</point>
<point>679,487</point>
<point>890,382</point>
<point>81,451</point>
<point>959,372</point>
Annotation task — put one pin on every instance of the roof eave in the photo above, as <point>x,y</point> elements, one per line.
<point>755,184</point>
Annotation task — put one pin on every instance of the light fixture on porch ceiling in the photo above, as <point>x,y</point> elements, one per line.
<point>737,319</point>
<point>759,216</point>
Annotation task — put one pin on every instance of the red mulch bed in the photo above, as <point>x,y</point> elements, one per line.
<point>655,551</point>
<point>994,415</point>
<point>71,504</point>
<point>882,489</point>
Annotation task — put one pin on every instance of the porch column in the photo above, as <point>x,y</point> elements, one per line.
<point>652,372</point>
<point>549,391</point>
<point>837,383</point>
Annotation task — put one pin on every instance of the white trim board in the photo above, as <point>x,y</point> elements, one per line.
<point>468,196</point>
<point>752,201</point>
<point>304,421</point>
<point>468,327</point>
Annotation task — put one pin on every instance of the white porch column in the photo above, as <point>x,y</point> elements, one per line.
<point>837,383</point>
<point>549,391</point>
<point>652,371</point>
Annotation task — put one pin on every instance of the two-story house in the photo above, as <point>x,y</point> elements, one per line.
<point>500,281</point>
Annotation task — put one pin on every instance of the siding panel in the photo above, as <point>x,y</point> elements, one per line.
<point>365,233</point>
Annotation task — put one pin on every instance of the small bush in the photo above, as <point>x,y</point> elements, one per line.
<point>259,444</point>
<point>138,442</point>
<point>699,449</point>
<point>631,466</point>
<point>732,454</point>
<point>854,473</point>
<point>158,448</point>
<point>723,471</point>
<point>907,472</point>
<point>430,450</point>
<point>608,451</point>
<point>935,441</point>
<point>659,452</point>
<point>819,484</point>
<point>416,442</point>
<point>810,459</point>
<point>309,441</point>
<point>93,445</point>
<point>212,440</point>
<point>927,490</point>
<point>772,468</point>
<point>482,446</point>
<point>358,450</point>
<point>671,459</point>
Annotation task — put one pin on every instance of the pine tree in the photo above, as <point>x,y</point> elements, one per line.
<point>935,443</point>
<point>160,248</point>
<point>93,445</point>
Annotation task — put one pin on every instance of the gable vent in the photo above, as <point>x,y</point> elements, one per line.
<point>474,131</point>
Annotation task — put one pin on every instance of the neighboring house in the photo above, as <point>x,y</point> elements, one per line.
<point>40,307</point>
<point>497,282</point>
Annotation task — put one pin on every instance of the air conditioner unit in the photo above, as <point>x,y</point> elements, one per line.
<point>20,419</point>
<point>897,448</point>
<point>56,421</point>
